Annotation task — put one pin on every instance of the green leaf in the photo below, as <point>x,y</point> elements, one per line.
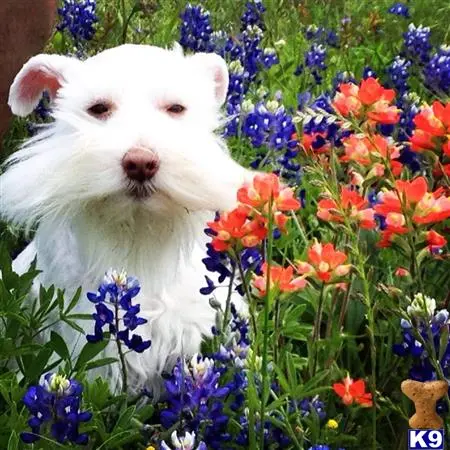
<point>89,351</point>
<point>73,325</point>
<point>73,302</point>
<point>13,443</point>
<point>125,418</point>
<point>100,363</point>
<point>443,344</point>
<point>35,366</point>
<point>291,370</point>
<point>297,331</point>
<point>59,346</point>
<point>145,413</point>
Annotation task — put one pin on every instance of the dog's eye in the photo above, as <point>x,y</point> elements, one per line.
<point>176,109</point>
<point>100,110</point>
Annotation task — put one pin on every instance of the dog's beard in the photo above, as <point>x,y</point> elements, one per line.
<point>140,191</point>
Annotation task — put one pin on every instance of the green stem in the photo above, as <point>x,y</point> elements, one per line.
<point>123,362</point>
<point>373,348</point>
<point>316,330</point>
<point>267,303</point>
<point>344,306</point>
<point>276,334</point>
<point>228,302</point>
<point>248,294</point>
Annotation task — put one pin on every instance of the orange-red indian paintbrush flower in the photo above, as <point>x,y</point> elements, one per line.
<point>280,278</point>
<point>432,128</point>
<point>369,101</point>
<point>353,392</point>
<point>324,263</point>
<point>425,207</point>
<point>265,186</point>
<point>247,224</point>
<point>351,205</point>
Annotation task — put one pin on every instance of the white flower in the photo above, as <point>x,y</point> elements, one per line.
<point>58,384</point>
<point>272,105</point>
<point>113,276</point>
<point>262,92</point>
<point>422,305</point>
<point>200,368</point>
<point>269,51</point>
<point>184,443</point>
<point>280,44</point>
<point>247,106</point>
<point>235,67</point>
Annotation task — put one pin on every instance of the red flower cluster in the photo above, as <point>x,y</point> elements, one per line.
<point>369,101</point>
<point>353,392</point>
<point>351,205</point>
<point>280,278</point>
<point>432,129</point>
<point>373,152</point>
<point>324,263</point>
<point>413,199</point>
<point>248,222</point>
<point>435,241</point>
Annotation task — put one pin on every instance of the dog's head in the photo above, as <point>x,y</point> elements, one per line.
<point>134,129</point>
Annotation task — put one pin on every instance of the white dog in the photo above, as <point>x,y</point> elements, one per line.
<point>126,176</point>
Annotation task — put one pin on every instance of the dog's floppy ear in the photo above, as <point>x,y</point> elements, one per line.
<point>41,73</point>
<point>217,67</point>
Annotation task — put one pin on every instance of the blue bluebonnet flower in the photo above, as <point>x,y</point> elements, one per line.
<point>78,18</point>
<point>303,100</point>
<point>187,442</point>
<point>238,342</point>
<point>315,61</point>
<point>195,399</point>
<point>118,291</point>
<point>437,71</point>
<point>342,77</point>
<point>322,35</point>
<point>269,57</point>
<point>252,259</point>
<point>236,91</point>
<point>56,404</point>
<point>251,57</point>
<point>42,114</point>
<point>313,32</point>
<point>268,124</point>
<point>429,325</point>
<point>409,105</point>
<point>272,434</point>
<point>218,262</point>
<point>253,15</point>
<point>196,29</point>
<point>210,287</point>
<point>398,72</point>
<point>399,9</point>
<point>417,43</point>
<point>308,405</point>
<point>322,447</point>
<point>368,72</point>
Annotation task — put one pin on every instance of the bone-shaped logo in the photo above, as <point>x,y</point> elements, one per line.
<point>425,395</point>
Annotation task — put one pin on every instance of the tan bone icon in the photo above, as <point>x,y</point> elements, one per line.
<point>425,395</point>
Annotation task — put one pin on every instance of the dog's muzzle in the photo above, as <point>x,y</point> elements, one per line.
<point>140,166</point>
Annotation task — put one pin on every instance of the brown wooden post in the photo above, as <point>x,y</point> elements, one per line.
<point>25,27</point>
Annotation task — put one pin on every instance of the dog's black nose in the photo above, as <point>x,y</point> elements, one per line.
<point>140,165</point>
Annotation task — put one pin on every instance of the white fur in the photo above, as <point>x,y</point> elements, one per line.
<point>68,182</point>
